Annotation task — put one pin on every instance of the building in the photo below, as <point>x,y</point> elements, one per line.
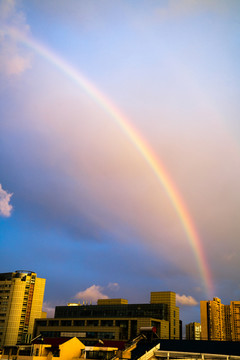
<point>235,320</point>
<point>57,349</point>
<point>193,331</point>
<point>180,330</point>
<point>21,299</point>
<point>227,329</point>
<point>212,318</point>
<point>168,298</point>
<point>113,319</point>
<point>220,322</point>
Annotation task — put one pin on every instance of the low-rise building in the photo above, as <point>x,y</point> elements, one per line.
<point>57,349</point>
<point>113,319</point>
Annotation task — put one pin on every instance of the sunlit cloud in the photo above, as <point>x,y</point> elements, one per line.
<point>49,309</point>
<point>91,294</point>
<point>13,59</point>
<point>185,300</point>
<point>5,206</point>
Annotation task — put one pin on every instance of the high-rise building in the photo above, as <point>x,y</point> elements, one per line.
<point>193,331</point>
<point>235,320</point>
<point>212,320</point>
<point>219,321</point>
<point>21,299</point>
<point>227,331</point>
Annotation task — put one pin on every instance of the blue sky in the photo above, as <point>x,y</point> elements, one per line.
<point>78,203</point>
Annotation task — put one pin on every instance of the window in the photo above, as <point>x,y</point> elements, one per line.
<point>42,323</point>
<point>122,323</point>
<point>66,322</point>
<point>106,335</point>
<point>53,323</point>
<point>79,322</point>
<point>92,335</point>
<point>92,322</point>
<point>50,333</point>
<point>106,322</point>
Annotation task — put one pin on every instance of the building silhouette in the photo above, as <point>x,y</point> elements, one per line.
<point>21,299</point>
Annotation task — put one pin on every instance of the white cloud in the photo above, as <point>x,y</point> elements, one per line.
<point>185,300</point>
<point>113,286</point>
<point>50,310</point>
<point>91,294</point>
<point>5,207</point>
<point>13,59</point>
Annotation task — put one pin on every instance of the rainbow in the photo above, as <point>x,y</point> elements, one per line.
<point>140,144</point>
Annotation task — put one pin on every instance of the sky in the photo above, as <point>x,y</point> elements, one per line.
<point>120,148</point>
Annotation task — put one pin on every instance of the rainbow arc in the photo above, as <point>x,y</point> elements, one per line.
<point>140,144</point>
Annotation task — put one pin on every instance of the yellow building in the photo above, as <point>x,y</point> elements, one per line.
<point>169,298</point>
<point>235,320</point>
<point>21,299</point>
<point>112,302</point>
<point>220,322</point>
<point>113,319</point>
<point>67,349</point>
<point>59,349</point>
<point>212,320</point>
<point>193,331</point>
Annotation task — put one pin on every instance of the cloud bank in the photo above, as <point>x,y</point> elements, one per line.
<point>5,207</point>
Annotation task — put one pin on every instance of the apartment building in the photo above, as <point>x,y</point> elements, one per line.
<point>21,299</point>
<point>213,320</point>
<point>235,320</point>
<point>193,331</point>
<point>220,322</point>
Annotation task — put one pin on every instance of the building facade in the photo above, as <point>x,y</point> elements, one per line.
<point>168,298</point>
<point>193,331</point>
<point>113,319</point>
<point>21,299</point>
<point>235,320</point>
<point>212,320</point>
<point>220,322</point>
